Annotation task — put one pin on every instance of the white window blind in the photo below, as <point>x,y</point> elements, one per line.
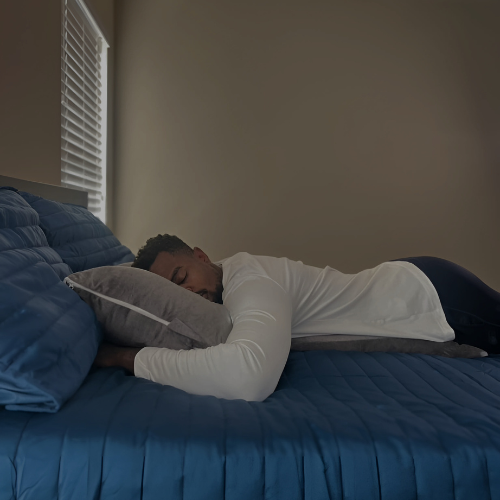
<point>84,105</point>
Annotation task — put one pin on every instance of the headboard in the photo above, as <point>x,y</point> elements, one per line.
<point>48,191</point>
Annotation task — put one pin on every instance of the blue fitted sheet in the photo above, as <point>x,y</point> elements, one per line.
<point>339,425</point>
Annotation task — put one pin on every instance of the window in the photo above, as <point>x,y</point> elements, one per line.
<point>84,105</point>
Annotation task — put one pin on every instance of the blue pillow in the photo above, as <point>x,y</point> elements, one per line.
<point>48,336</point>
<point>21,230</point>
<point>78,236</point>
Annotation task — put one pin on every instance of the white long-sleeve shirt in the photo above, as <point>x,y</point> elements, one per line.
<point>271,300</point>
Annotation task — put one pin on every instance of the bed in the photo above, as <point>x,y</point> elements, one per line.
<point>340,425</point>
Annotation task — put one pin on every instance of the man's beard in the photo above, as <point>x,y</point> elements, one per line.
<point>217,295</point>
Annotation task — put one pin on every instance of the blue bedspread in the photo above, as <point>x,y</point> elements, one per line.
<point>340,425</point>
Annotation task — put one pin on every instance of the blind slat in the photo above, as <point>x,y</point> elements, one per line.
<point>88,165</point>
<point>80,136</point>
<point>80,63</point>
<point>67,169</point>
<point>81,142</point>
<point>83,104</point>
<point>79,126</point>
<point>77,44</point>
<point>93,157</point>
<point>79,18</point>
<point>74,109</point>
<point>76,29</point>
<point>81,101</point>
<point>86,181</point>
<point>74,78</point>
<point>83,65</point>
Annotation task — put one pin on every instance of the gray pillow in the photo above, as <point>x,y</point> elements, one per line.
<point>385,344</point>
<point>140,309</point>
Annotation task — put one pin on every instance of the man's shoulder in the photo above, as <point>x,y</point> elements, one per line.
<point>239,255</point>
<point>260,264</point>
<point>241,266</point>
<point>245,268</point>
<point>241,261</point>
<point>240,258</point>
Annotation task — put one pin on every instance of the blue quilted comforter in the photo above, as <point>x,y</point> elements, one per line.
<point>340,425</point>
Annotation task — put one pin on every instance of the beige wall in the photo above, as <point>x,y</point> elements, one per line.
<point>30,87</point>
<point>30,90</point>
<point>342,133</point>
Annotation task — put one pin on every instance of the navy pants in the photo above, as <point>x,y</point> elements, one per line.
<point>471,307</point>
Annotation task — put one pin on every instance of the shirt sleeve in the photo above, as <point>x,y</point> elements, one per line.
<point>249,365</point>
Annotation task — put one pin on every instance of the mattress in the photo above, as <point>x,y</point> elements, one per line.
<point>340,425</point>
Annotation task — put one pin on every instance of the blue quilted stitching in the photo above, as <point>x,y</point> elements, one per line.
<point>78,235</point>
<point>485,456</point>
<point>315,407</point>
<point>44,332</point>
<point>255,410</point>
<point>21,434</point>
<point>423,358</point>
<point>353,413</point>
<point>57,326</point>
<point>447,369</point>
<point>481,373</point>
<point>439,409</point>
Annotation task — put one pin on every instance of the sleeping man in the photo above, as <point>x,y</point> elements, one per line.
<point>271,300</point>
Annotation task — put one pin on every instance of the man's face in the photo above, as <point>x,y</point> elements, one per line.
<point>193,272</point>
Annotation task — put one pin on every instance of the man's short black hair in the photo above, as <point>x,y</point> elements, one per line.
<point>161,243</point>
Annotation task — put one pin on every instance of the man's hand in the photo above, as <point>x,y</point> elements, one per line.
<point>113,355</point>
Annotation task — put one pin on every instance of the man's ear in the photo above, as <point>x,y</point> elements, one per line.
<point>200,254</point>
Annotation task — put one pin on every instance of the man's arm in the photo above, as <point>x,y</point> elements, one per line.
<point>248,366</point>
<point>113,355</point>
